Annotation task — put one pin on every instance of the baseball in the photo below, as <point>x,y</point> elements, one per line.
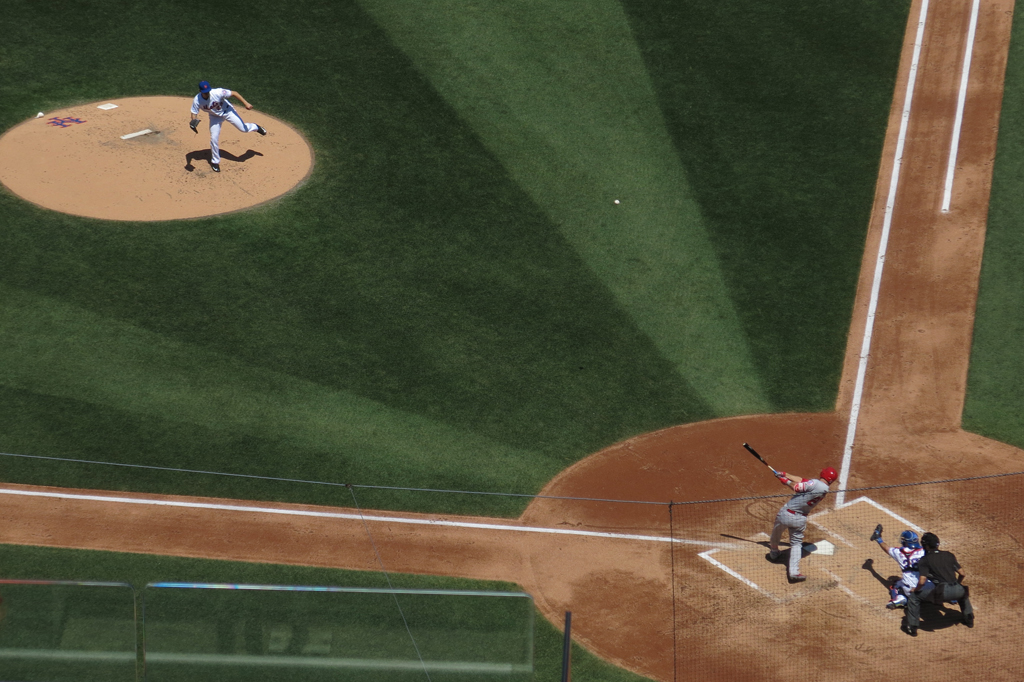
<point>616,201</point>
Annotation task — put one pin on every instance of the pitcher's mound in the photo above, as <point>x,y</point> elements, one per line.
<point>91,160</point>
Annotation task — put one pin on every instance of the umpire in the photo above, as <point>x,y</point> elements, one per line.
<point>945,572</point>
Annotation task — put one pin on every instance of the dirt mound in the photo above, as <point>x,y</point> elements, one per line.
<point>91,160</point>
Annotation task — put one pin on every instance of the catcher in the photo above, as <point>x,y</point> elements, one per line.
<point>906,555</point>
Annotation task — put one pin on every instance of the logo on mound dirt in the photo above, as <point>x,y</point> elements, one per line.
<point>63,122</point>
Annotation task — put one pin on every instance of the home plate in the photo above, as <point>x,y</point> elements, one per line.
<point>749,564</point>
<point>853,564</point>
<point>824,547</point>
<point>131,135</point>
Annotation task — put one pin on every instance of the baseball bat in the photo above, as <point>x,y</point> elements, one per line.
<point>754,453</point>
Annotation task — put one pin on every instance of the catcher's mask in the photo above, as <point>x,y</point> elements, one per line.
<point>908,538</point>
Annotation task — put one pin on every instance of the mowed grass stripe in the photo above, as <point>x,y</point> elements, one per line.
<point>61,352</point>
<point>562,99</point>
<point>778,113</point>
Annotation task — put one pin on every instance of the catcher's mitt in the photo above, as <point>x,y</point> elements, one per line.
<point>194,125</point>
<point>877,535</point>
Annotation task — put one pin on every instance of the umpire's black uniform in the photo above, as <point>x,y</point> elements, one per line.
<point>945,572</point>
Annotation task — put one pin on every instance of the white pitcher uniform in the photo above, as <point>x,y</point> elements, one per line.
<point>220,110</point>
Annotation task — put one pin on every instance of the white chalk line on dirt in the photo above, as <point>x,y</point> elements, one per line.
<point>876,285</point>
<point>363,517</point>
<point>831,532</point>
<point>735,574</point>
<point>958,121</point>
<point>881,508</point>
<point>813,519</point>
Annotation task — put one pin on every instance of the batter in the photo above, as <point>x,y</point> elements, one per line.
<point>214,101</point>
<point>793,515</point>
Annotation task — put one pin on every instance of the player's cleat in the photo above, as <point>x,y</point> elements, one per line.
<point>772,556</point>
<point>798,578</point>
<point>897,603</point>
<point>909,629</point>
<point>216,167</point>
<point>260,129</point>
<point>969,620</point>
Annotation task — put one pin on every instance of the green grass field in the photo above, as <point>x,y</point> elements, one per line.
<point>453,300</point>
<point>994,389</point>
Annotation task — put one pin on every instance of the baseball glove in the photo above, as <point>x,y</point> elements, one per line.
<point>877,535</point>
<point>194,125</point>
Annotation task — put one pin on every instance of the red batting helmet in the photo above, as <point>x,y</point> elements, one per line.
<point>828,474</point>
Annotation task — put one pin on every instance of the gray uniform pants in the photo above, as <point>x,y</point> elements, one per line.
<point>796,523</point>
<point>216,122</point>
<point>949,593</point>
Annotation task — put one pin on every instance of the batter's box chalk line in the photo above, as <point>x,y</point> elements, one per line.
<point>823,548</point>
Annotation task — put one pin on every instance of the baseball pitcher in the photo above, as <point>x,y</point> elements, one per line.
<point>214,101</point>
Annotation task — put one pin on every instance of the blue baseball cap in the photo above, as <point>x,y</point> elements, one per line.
<point>204,86</point>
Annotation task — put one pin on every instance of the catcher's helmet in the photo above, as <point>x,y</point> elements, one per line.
<point>828,474</point>
<point>908,538</point>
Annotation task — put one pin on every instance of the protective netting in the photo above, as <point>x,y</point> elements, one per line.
<point>680,590</point>
<point>738,616</point>
<point>196,632</point>
<point>67,630</point>
<point>56,631</point>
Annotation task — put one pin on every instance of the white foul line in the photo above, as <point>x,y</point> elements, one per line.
<point>814,519</point>
<point>361,517</point>
<point>888,511</point>
<point>865,351</point>
<point>750,583</point>
<point>955,145</point>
